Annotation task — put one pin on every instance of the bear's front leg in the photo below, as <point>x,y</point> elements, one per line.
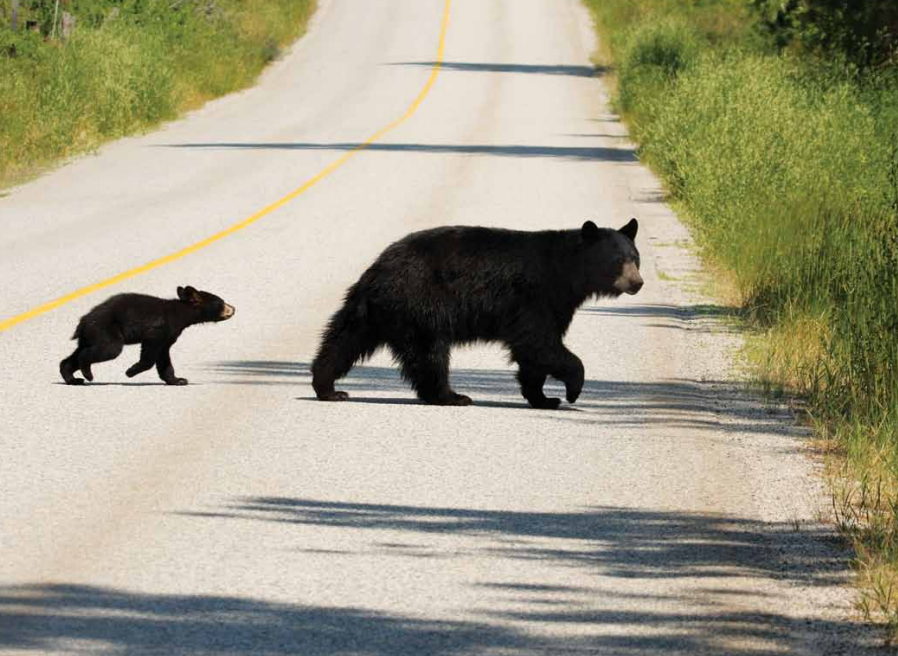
<point>532,380</point>
<point>569,370</point>
<point>166,369</point>
<point>538,360</point>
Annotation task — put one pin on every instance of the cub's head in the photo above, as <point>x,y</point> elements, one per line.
<point>210,306</point>
<point>611,259</point>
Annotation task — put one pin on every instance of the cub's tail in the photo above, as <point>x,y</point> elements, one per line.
<point>79,330</point>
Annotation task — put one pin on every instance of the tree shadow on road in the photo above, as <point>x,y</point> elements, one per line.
<point>88,619</point>
<point>532,69</point>
<point>707,317</point>
<point>510,617</point>
<point>622,154</point>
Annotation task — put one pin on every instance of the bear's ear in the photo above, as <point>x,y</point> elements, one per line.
<point>590,232</point>
<point>189,294</point>
<point>630,229</point>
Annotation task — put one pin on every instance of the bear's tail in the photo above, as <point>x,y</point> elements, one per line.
<point>347,339</point>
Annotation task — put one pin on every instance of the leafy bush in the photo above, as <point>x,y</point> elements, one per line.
<point>864,32</point>
<point>125,72</point>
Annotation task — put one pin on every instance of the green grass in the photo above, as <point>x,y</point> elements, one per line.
<point>124,73</point>
<point>787,168</point>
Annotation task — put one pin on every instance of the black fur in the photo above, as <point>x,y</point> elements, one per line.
<point>457,285</point>
<point>154,323</point>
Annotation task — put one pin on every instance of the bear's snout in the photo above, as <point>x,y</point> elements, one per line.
<point>635,286</point>
<point>629,281</point>
<point>227,312</point>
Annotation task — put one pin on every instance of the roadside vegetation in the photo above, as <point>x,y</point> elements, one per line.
<point>775,127</point>
<point>125,66</point>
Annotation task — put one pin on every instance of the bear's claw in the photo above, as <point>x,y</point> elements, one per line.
<point>334,396</point>
<point>545,404</point>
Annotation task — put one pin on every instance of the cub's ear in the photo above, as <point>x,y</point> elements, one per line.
<point>630,229</point>
<point>590,232</point>
<point>189,294</point>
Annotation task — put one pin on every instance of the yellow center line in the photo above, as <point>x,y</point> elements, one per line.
<point>308,184</point>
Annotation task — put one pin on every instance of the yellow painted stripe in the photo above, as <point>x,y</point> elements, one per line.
<point>308,184</point>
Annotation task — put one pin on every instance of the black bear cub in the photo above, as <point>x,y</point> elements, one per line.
<point>154,323</point>
<point>457,285</point>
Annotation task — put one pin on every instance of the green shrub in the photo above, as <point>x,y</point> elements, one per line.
<point>652,57</point>
<point>124,74</point>
<point>786,166</point>
<point>866,33</point>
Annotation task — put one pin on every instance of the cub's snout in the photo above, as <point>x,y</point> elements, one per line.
<point>227,312</point>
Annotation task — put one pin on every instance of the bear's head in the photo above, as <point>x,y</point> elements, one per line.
<point>209,306</point>
<point>611,259</point>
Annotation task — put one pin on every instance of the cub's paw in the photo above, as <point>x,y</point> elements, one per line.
<point>176,381</point>
<point>459,399</point>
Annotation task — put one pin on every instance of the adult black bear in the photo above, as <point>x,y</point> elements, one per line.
<point>154,323</point>
<point>458,285</point>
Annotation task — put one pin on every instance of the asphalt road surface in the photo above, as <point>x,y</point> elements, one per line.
<point>667,512</point>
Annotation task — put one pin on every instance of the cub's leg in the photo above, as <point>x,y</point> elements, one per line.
<point>149,352</point>
<point>166,369</point>
<point>107,347</point>
<point>425,365</point>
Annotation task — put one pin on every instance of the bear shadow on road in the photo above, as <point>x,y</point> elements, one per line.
<point>510,617</point>
<point>707,405</point>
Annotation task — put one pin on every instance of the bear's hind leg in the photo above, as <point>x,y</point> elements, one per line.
<point>69,366</point>
<point>346,341</point>
<point>425,365</point>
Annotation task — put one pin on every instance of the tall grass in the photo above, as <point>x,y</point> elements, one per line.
<point>127,71</point>
<point>787,168</point>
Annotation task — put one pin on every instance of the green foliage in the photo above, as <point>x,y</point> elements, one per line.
<point>123,71</point>
<point>786,164</point>
<point>653,56</point>
<point>865,33</point>
<point>792,187</point>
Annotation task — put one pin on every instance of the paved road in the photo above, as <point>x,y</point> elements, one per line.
<point>665,513</point>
